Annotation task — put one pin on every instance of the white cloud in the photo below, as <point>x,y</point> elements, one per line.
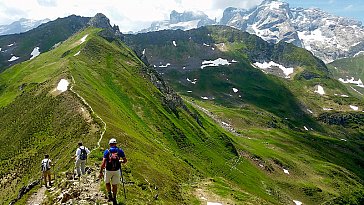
<point>349,7</point>
<point>47,3</point>
<point>129,15</point>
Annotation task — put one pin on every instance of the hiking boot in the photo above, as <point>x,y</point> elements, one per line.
<point>109,197</point>
<point>114,202</point>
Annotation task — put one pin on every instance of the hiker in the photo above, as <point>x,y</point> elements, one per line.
<point>81,157</point>
<point>46,170</point>
<point>111,161</point>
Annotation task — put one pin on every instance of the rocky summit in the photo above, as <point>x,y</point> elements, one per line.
<point>184,21</point>
<point>327,36</point>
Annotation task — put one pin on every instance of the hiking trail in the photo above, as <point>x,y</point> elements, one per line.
<point>86,190</point>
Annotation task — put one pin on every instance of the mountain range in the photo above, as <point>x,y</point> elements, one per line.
<point>327,36</point>
<point>21,26</point>
<point>208,115</point>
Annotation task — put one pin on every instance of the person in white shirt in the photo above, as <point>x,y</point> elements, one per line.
<point>81,157</point>
<point>46,170</point>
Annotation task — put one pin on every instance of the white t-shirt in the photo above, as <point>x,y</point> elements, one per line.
<point>78,151</point>
<point>47,163</point>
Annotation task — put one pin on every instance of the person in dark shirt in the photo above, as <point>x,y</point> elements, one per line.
<point>111,165</point>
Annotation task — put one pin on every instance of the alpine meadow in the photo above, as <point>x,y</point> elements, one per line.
<point>205,115</point>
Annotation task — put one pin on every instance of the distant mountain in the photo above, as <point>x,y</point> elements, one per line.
<point>21,26</point>
<point>327,36</point>
<point>184,21</point>
<point>257,123</point>
<point>16,48</point>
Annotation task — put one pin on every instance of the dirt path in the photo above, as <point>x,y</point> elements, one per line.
<point>38,197</point>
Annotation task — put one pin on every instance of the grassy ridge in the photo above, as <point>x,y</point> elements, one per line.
<point>165,150</point>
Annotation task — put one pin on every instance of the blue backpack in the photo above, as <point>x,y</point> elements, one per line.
<point>83,155</point>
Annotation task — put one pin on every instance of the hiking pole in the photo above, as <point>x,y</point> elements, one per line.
<point>122,178</point>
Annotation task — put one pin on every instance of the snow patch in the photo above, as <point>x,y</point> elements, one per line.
<point>0,49</point>
<point>78,53</point>
<point>10,45</point>
<point>353,107</point>
<point>235,90</point>
<point>215,63</point>
<point>320,90</point>
<point>310,111</point>
<point>275,5</point>
<point>286,171</point>
<point>189,91</point>
<point>213,203</point>
<point>327,109</point>
<point>204,98</point>
<point>62,85</point>
<point>83,39</point>
<point>206,45</point>
<point>359,53</point>
<point>143,52</point>
<point>358,82</point>
<point>344,140</point>
<point>297,202</point>
<point>305,128</point>
<point>34,53</point>
<point>13,58</point>
<point>174,43</point>
<point>164,66</point>
<point>194,81</point>
<point>265,65</point>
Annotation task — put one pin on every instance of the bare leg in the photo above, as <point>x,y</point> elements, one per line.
<point>108,187</point>
<point>114,190</point>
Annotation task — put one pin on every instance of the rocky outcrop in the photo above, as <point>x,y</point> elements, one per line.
<point>109,32</point>
<point>172,101</point>
<point>349,120</point>
<point>24,190</point>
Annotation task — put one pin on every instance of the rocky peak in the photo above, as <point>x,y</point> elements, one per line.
<point>176,17</point>
<point>184,21</point>
<point>100,21</point>
<point>109,32</point>
<point>327,36</point>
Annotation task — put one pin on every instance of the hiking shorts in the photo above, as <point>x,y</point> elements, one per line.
<point>47,173</point>
<point>112,176</point>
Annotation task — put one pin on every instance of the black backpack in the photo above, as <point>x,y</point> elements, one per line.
<point>113,163</point>
<point>44,166</point>
<point>83,155</point>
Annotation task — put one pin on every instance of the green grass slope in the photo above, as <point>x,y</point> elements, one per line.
<point>166,150</point>
<point>348,68</point>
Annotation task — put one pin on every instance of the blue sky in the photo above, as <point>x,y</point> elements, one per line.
<point>348,8</point>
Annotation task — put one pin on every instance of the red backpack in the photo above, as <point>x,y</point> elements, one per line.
<point>113,163</point>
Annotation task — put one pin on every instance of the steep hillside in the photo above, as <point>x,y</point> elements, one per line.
<point>167,147</point>
<point>350,72</point>
<point>234,68</point>
<point>17,48</point>
<point>277,98</point>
